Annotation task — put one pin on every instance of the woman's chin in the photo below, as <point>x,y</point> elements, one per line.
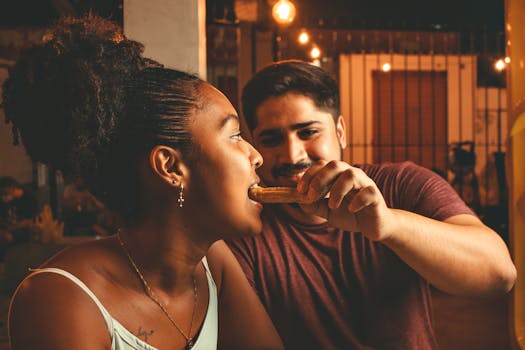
<point>251,230</point>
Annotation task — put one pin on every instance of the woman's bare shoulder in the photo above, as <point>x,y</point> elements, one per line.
<point>52,311</point>
<point>219,258</point>
<point>92,262</point>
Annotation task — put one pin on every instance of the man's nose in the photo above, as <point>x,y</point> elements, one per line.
<point>293,150</point>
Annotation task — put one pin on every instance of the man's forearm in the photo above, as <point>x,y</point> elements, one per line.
<point>460,256</point>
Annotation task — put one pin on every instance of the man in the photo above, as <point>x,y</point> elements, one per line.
<point>352,271</point>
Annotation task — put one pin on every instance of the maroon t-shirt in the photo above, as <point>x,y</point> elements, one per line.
<point>326,288</point>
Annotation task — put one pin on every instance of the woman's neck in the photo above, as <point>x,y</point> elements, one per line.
<point>167,258</point>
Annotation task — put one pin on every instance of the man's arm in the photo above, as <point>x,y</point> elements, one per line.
<point>459,255</point>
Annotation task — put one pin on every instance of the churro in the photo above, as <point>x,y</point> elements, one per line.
<point>277,195</point>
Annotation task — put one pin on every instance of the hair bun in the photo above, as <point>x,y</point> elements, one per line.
<point>64,95</point>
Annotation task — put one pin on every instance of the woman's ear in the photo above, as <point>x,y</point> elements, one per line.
<point>167,163</point>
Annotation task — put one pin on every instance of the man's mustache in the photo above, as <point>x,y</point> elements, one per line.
<point>286,170</point>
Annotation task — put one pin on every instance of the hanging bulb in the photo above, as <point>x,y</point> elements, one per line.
<point>315,53</point>
<point>283,12</point>
<point>303,38</point>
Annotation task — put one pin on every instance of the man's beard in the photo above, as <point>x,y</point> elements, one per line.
<point>286,170</point>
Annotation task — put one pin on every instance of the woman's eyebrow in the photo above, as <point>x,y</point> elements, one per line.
<point>229,117</point>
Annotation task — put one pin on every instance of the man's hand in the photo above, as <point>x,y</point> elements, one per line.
<point>354,204</point>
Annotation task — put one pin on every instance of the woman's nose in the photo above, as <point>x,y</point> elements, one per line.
<point>256,157</point>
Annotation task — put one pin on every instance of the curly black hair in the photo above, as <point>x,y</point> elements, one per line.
<point>87,102</point>
<point>57,86</point>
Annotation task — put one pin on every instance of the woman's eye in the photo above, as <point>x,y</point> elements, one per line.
<point>237,136</point>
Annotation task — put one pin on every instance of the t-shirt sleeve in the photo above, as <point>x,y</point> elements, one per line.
<point>243,251</point>
<point>424,192</point>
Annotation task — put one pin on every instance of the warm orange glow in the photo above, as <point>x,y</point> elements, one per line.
<point>304,38</point>
<point>315,52</point>
<point>283,12</point>
<point>386,67</point>
<point>507,60</point>
<point>499,65</point>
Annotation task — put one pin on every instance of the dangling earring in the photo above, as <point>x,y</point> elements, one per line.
<point>181,195</point>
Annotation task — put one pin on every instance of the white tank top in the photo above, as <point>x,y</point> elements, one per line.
<point>122,339</point>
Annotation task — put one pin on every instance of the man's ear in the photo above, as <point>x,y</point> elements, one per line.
<point>168,164</point>
<point>340,129</point>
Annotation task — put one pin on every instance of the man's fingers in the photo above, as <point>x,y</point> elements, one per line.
<point>365,197</point>
<point>304,184</point>
<point>319,208</point>
<point>344,187</point>
<point>318,180</point>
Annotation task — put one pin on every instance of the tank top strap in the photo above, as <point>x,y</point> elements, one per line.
<point>205,263</point>
<point>81,285</point>
<point>211,281</point>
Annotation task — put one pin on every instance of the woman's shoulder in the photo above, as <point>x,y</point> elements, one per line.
<point>84,258</point>
<point>69,271</point>
<point>221,261</point>
<point>61,294</point>
<point>45,303</point>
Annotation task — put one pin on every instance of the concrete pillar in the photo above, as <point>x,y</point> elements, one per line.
<point>172,31</point>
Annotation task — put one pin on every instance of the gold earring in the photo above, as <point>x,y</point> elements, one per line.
<point>181,196</point>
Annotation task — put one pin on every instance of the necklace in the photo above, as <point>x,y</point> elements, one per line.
<point>153,297</point>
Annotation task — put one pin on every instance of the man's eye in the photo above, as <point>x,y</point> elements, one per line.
<point>271,141</point>
<point>307,133</point>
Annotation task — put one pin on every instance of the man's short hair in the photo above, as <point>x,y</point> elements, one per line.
<point>291,76</point>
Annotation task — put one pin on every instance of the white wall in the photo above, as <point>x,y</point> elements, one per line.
<point>173,32</point>
<point>355,79</point>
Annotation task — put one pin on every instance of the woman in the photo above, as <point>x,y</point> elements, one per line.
<point>163,149</point>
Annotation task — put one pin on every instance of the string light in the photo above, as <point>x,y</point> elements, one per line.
<point>499,65</point>
<point>304,38</point>
<point>315,53</point>
<point>387,67</point>
<point>283,12</point>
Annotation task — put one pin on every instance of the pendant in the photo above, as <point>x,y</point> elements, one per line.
<point>189,344</point>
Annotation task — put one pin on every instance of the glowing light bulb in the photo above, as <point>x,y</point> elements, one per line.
<point>315,52</point>
<point>283,12</point>
<point>304,38</point>
<point>499,65</point>
<point>507,60</point>
<point>387,67</point>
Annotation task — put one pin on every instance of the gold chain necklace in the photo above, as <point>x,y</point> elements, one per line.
<point>153,297</point>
